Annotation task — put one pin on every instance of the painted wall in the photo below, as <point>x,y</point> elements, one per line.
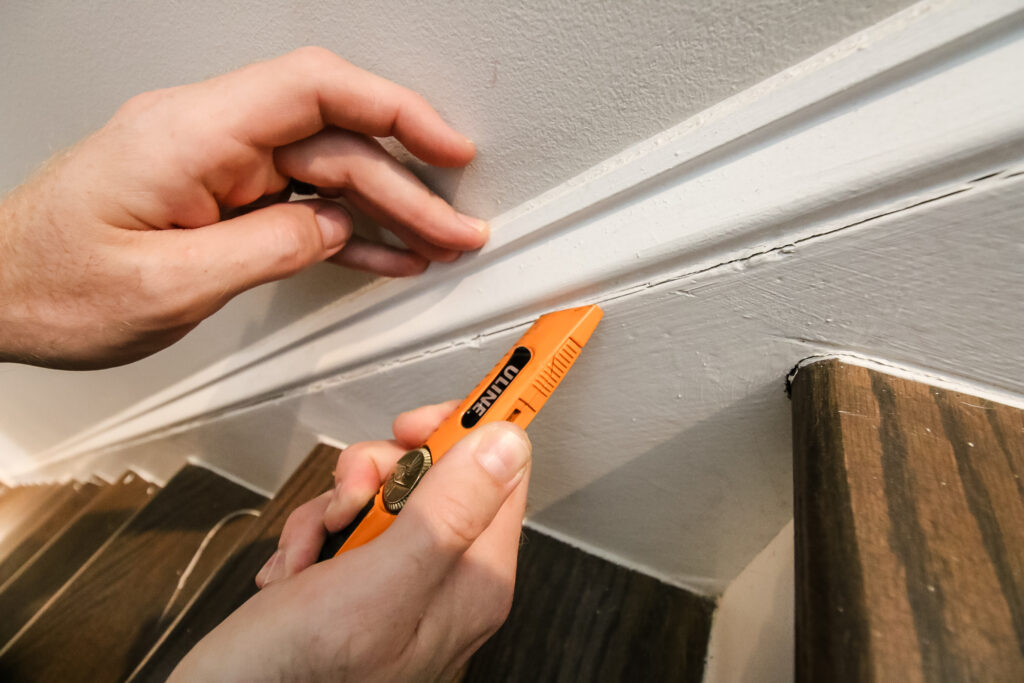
<point>546,88</point>
<point>753,634</point>
<point>849,205</point>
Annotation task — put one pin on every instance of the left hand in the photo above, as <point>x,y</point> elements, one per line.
<point>411,605</point>
<point>123,244</point>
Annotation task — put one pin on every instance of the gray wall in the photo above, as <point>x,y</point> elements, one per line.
<point>546,89</point>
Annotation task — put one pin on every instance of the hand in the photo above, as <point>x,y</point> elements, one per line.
<point>411,605</point>
<point>123,244</point>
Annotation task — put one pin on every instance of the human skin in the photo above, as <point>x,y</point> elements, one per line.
<point>411,605</point>
<point>120,246</point>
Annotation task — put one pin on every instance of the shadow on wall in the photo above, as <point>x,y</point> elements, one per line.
<point>729,474</point>
<point>773,639</point>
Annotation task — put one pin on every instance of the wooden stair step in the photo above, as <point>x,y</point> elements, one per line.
<point>577,617</point>
<point>61,507</point>
<point>909,530</point>
<point>106,617</point>
<point>20,505</point>
<point>233,583</point>
<point>593,620</point>
<point>25,593</point>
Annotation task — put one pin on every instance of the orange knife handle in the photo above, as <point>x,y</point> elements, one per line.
<point>515,390</point>
<point>373,525</point>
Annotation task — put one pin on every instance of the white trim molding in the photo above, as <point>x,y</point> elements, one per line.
<point>694,241</point>
<point>971,111</point>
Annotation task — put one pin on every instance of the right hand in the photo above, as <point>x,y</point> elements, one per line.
<point>411,605</point>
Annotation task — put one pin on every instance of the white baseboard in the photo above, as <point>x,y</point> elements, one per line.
<point>688,239</point>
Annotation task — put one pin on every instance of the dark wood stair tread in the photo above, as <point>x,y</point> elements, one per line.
<point>21,505</point>
<point>577,617</point>
<point>25,593</point>
<point>62,506</point>
<point>106,616</point>
<point>233,583</point>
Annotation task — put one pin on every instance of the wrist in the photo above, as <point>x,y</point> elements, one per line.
<point>12,297</point>
<point>36,321</point>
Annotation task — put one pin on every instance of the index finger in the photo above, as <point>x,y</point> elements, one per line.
<point>413,427</point>
<point>289,98</point>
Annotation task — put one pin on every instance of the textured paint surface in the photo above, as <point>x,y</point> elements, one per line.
<point>861,131</point>
<point>546,88</point>
<point>883,221</point>
<point>668,447</point>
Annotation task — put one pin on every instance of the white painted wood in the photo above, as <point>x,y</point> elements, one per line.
<point>668,447</point>
<point>753,636</point>
<point>835,137</point>
<point>836,208</point>
<point>522,79</point>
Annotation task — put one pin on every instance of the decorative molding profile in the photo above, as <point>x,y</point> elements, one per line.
<point>834,140</point>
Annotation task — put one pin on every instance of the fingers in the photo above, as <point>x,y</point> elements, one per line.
<point>273,103</point>
<point>299,546</point>
<point>412,427</point>
<point>380,259</point>
<point>497,548</point>
<point>409,237</point>
<point>363,467</point>
<point>458,498</point>
<point>385,189</point>
<point>484,577</point>
<point>202,268</point>
<point>361,470</point>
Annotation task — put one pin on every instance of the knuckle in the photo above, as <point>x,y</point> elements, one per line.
<point>339,466</point>
<point>494,605</point>
<point>162,305</point>
<point>301,517</point>
<point>499,610</point>
<point>140,104</point>
<point>172,310</point>
<point>400,420</point>
<point>292,242</point>
<point>314,56</point>
<point>350,458</point>
<point>417,100</point>
<point>458,525</point>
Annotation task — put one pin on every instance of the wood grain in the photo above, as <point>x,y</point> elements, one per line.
<point>909,518</point>
<point>233,583</point>
<point>24,593</point>
<point>576,617</point>
<point>105,618</point>
<point>62,506</point>
<point>21,505</point>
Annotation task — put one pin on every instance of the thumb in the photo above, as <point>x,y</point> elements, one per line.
<point>458,499</point>
<point>267,244</point>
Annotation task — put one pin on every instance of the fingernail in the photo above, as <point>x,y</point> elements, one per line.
<point>475,223</point>
<point>504,453</point>
<point>335,225</point>
<point>273,570</point>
